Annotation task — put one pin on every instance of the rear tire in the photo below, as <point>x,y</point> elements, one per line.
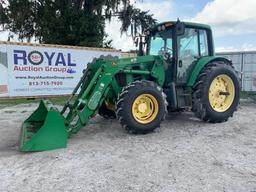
<point>141,107</point>
<point>216,92</point>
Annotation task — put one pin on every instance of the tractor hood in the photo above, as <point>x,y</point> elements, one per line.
<point>122,62</point>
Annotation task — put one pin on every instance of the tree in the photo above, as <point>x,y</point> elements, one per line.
<point>70,22</point>
<point>136,19</point>
<point>3,14</point>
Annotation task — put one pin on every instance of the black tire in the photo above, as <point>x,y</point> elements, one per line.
<point>125,102</point>
<point>200,100</point>
<point>105,112</point>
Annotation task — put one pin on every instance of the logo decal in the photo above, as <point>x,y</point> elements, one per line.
<point>35,57</point>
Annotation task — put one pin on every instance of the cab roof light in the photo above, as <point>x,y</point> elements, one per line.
<point>168,24</point>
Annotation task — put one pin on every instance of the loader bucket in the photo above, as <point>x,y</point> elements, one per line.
<point>44,129</point>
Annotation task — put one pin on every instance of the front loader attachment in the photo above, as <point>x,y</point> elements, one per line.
<point>44,129</point>
<point>47,128</point>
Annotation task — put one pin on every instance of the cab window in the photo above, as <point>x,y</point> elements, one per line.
<point>203,43</point>
<point>160,41</point>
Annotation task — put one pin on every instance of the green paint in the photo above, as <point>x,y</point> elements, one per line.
<point>95,99</point>
<point>43,130</point>
<point>158,71</point>
<point>139,72</point>
<point>199,66</point>
<point>115,87</point>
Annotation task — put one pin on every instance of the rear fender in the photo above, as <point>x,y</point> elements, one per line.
<point>201,63</point>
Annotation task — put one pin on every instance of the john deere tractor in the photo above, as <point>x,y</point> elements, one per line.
<point>176,71</point>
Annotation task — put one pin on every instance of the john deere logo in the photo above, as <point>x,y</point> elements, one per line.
<point>35,57</point>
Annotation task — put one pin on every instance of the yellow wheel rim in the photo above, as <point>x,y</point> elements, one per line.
<point>221,93</point>
<point>145,108</point>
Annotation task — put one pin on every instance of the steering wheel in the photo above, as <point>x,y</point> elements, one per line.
<point>166,52</point>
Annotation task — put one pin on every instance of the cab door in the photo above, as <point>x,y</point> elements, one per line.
<point>190,47</point>
<point>188,53</point>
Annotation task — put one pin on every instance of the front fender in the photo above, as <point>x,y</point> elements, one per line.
<point>201,63</point>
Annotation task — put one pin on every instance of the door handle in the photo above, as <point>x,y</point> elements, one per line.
<point>180,63</point>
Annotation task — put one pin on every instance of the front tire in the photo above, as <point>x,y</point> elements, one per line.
<point>141,107</point>
<point>216,93</point>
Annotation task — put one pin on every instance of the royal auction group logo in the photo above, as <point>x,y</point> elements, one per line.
<point>49,58</point>
<point>35,57</point>
<point>48,61</point>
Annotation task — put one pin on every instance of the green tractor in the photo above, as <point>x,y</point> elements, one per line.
<point>176,70</point>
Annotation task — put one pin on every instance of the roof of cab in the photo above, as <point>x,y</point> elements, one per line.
<point>191,24</point>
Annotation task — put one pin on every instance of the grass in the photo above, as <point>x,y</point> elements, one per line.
<point>54,100</point>
<point>249,95</point>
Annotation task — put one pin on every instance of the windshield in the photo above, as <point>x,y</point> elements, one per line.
<point>161,42</point>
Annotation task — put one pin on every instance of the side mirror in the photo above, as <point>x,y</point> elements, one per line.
<point>180,28</point>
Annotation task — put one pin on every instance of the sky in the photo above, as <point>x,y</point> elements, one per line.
<point>233,21</point>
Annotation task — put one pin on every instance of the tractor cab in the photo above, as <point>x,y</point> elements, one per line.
<point>181,44</point>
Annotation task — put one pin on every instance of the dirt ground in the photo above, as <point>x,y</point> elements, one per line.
<point>185,154</point>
